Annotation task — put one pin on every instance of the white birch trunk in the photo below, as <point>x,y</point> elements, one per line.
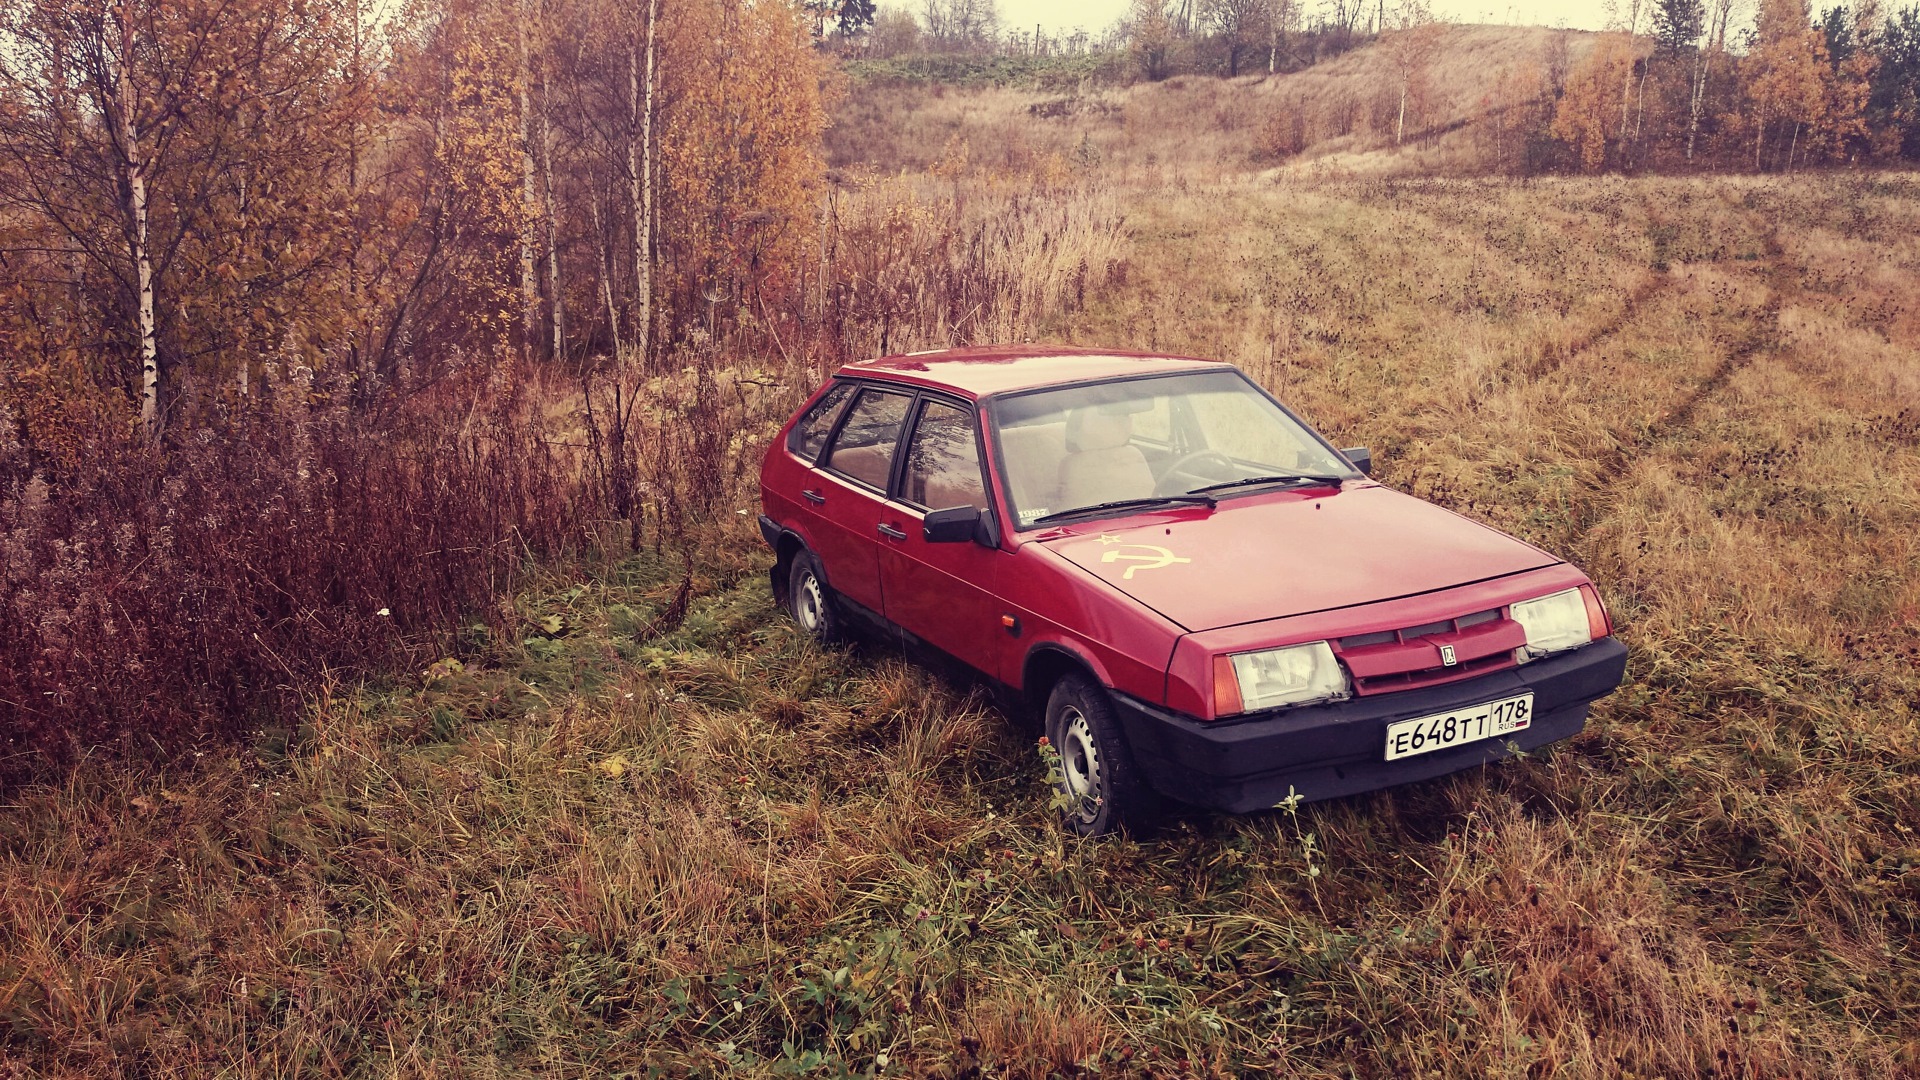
<point>529,201</point>
<point>606,276</point>
<point>1640,110</point>
<point>1716,41</point>
<point>134,168</point>
<point>1696,100</point>
<point>554,292</point>
<point>1626,91</point>
<point>636,197</point>
<point>640,173</point>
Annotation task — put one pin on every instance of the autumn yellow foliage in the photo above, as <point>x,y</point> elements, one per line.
<point>1589,117</point>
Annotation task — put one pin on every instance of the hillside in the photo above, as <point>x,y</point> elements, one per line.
<point>1341,114</point>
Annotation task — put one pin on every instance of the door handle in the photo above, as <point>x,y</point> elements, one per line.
<point>888,530</point>
<point>813,496</point>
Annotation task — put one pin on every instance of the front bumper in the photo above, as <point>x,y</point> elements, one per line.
<point>1326,751</point>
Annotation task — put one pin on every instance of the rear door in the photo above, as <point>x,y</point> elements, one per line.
<point>848,494</point>
<point>942,593</point>
<point>785,475</point>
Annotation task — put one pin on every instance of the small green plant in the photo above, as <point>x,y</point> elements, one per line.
<point>1311,856</point>
<point>1060,800</point>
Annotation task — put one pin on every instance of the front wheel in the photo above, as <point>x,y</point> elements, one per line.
<point>1095,776</point>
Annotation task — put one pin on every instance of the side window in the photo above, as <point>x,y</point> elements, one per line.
<point>943,460</point>
<point>810,434</point>
<point>864,448</point>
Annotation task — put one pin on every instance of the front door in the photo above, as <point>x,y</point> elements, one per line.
<point>942,593</point>
<point>849,495</point>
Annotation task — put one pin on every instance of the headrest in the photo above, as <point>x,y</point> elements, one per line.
<point>1097,428</point>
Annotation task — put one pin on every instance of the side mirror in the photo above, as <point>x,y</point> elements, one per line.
<point>959,525</point>
<point>1362,459</point>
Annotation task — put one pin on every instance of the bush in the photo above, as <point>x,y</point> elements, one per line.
<point>155,598</point>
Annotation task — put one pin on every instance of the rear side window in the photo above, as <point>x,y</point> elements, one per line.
<point>810,434</point>
<point>943,460</point>
<point>864,448</point>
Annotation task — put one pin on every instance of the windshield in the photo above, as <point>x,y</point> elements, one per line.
<point>1087,446</point>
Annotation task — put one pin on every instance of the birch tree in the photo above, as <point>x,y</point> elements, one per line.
<point>1717,16</point>
<point>1784,76</point>
<point>529,199</point>
<point>550,205</point>
<point>640,153</point>
<point>1410,47</point>
<point>124,119</point>
<point>1281,17</point>
<point>191,156</point>
<point>1626,15</point>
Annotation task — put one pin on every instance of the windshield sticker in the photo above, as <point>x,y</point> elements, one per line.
<point>1160,557</point>
<point>1029,516</point>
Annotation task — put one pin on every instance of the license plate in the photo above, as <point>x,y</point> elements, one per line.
<point>1425,734</point>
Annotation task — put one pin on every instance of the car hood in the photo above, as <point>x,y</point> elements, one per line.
<point>1269,556</point>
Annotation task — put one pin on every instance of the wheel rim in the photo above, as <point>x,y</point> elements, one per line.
<point>1080,772</point>
<point>809,603</point>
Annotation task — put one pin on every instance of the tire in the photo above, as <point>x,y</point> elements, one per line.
<point>1097,776</point>
<point>810,600</point>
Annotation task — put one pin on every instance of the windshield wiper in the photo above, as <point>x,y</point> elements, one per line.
<point>1288,478</point>
<point>1196,497</point>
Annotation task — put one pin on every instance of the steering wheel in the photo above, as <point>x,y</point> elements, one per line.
<point>1180,464</point>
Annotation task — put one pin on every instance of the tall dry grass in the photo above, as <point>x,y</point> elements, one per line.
<point>918,263</point>
<point>156,600</point>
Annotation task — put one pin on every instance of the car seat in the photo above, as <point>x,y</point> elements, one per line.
<point>1102,464</point>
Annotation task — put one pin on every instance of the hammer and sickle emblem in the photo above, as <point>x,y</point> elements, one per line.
<point>1160,557</point>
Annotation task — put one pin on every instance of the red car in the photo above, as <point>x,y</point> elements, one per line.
<point>1201,596</point>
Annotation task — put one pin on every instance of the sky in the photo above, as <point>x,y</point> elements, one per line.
<point>1097,15</point>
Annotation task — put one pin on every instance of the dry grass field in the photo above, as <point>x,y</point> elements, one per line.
<point>598,850</point>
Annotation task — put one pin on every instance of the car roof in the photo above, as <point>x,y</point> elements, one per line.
<point>984,370</point>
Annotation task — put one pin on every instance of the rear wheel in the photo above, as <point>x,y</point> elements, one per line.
<point>810,601</point>
<point>1097,778</point>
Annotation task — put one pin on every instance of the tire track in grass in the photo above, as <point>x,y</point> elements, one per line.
<point>1552,357</point>
<point>1617,466</point>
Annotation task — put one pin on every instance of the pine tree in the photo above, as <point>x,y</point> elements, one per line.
<point>1852,62</point>
<point>855,17</point>
<point>1678,24</point>
<point>1893,106</point>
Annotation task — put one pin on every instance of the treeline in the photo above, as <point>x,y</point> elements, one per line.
<point>1235,37</point>
<point>1800,88</point>
<point>1156,39</point>
<point>194,190</point>
<point>279,281</point>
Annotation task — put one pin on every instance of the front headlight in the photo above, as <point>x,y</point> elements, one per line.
<point>1295,675</point>
<point>1552,623</point>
